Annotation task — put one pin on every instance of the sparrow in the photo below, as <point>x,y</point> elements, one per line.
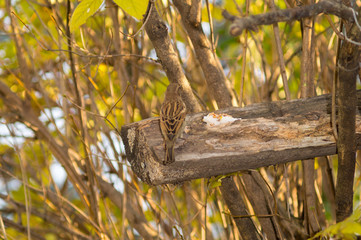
<point>172,115</point>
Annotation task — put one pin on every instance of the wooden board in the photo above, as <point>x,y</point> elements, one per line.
<point>262,134</point>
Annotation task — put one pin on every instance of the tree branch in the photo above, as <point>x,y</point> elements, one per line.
<point>214,75</point>
<point>348,67</point>
<point>158,34</point>
<point>252,22</point>
<point>261,195</point>
<point>268,134</point>
<point>237,206</point>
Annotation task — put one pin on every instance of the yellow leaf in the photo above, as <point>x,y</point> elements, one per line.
<point>82,12</point>
<point>135,8</point>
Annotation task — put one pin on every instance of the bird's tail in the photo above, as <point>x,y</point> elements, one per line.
<point>169,153</point>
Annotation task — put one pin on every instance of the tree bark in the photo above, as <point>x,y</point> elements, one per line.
<point>190,12</point>
<point>346,143</point>
<point>261,195</point>
<point>158,33</point>
<point>235,203</point>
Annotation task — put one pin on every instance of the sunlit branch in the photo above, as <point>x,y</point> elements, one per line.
<point>292,14</point>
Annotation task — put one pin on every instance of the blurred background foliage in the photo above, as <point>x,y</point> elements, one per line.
<point>120,81</point>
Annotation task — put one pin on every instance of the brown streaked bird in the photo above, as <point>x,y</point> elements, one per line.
<point>172,115</point>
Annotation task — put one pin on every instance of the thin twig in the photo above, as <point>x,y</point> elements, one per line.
<point>334,28</point>
<point>145,20</point>
<point>61,199</point>
<point>244,59</point>
<point>334,87</point>
<point>89,199</point>
<point>252,215</point>
<point>120,98</point>
<point>3,227</point>
<point>355,18</point>
<point>107,114</point>
<point>210,27</point>
<point>276,32</point>
<point>87,55</point>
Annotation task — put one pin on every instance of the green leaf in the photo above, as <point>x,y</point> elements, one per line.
<point>135,8</point>
<point>82,12</point>
<point>352,228</point>
<point>217,180</point>
<point>347,229</point>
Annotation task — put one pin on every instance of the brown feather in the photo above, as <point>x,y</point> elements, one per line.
<point>172,115</point>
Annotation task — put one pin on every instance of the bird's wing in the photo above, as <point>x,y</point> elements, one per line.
<point>172,115</point>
